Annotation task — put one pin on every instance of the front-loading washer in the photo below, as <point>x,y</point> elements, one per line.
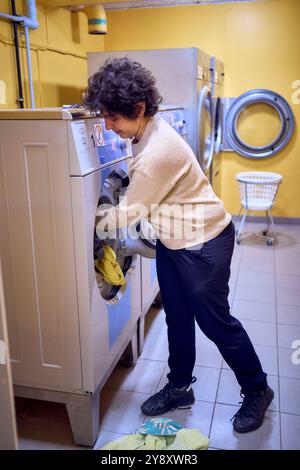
<point>67,328</point>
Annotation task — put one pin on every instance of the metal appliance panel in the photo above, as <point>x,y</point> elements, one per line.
<point>179,74</point>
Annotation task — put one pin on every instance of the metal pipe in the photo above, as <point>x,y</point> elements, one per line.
<point>30,21</point>
<point>29,67</point>
<point>20,99</point>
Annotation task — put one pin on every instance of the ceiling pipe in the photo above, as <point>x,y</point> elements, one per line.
<point>30,79</point>
<point>29,21</point>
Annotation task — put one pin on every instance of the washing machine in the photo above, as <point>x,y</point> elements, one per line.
<point>217,88</point>
<point>183,79</point>
<point>68,326</point>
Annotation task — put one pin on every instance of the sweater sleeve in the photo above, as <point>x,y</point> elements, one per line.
<point>149,185</point>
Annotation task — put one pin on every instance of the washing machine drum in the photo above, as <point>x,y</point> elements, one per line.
<point>138,239</point>
<point>130,241</point>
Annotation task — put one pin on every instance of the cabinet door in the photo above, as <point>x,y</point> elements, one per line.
<point>37,253</point>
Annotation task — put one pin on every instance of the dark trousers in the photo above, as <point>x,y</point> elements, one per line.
<point>194,286</point>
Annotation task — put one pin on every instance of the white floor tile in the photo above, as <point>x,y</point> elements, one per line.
<point>258,254</point>
<point>198,416</point>
<point>287,368</point>
<point>120,411</point>
<point>287,255</point>
<point>256,277</point>
<point>256,311</point>
<point>144,377</point>
<point>288,242</point>
<point>261,332</point>
<point>69,444</point>
<point>288,281</point>
<point>207,354</point>
<point>288,296</point>
<point>233,275</point>
<point>156,346</point>
<point>289,395</point>
<point>255,264</point>
<point>289,314</point>
<point>287,334</point>
<point>256,293</point>
<point>155,321</point>
<point>290,432</point>
<point>287,267</point>
<point>105,437</point>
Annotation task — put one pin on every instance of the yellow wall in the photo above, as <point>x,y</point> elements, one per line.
<point>259,44</point>
<point>58,54</point>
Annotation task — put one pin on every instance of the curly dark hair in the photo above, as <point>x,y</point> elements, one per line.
<point>118,86</point>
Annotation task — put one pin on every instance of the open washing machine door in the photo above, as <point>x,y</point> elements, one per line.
<point>126,244</point>
<point>205,128</point>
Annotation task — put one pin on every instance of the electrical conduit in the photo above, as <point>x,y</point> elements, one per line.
<point>31,22</point>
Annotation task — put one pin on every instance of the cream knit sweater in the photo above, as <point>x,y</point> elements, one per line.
<point>168,187</point>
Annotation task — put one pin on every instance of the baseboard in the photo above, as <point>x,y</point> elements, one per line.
<point>277,220</point>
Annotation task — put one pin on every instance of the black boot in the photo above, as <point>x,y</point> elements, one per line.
<point>251,414</point>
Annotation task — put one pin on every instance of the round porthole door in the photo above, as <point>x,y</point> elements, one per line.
<point>206,128</point>
<point>115,255</point>
<point>112,265</point>
<point>259,124</point>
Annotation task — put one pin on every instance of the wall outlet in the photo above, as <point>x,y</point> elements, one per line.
<point>2,92</point>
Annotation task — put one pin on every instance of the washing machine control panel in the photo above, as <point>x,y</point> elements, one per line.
<point>110,146</point>
<point>92,146</point>
<point>176,119</point>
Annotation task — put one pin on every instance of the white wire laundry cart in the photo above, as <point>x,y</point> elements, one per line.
<point>258,191</point>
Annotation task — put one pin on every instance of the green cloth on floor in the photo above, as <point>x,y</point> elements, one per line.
<point>184,439</point>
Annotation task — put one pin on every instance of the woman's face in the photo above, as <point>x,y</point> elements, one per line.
<point>121,125</point>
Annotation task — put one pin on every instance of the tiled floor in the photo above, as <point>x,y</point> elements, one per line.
<point>265,295</point>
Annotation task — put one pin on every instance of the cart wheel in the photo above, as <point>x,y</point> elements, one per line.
<point>270,242</point>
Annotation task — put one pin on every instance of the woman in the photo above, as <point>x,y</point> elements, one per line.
<point>195,245</point>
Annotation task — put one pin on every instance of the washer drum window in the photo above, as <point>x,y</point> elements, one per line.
<point>279,104</point>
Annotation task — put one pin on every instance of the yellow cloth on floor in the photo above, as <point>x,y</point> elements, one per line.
<point>110,268</point>
<point>184,439</point>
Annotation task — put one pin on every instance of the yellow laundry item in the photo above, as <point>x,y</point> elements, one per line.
<point>184,439</point>
<point>109,267</point>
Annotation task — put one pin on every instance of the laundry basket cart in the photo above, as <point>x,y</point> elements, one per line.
<point>258,190</point>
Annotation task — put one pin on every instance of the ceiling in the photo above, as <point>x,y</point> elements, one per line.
<point>125,4</point>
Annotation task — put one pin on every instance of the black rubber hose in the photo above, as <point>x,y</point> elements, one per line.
<point>16,41</point>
